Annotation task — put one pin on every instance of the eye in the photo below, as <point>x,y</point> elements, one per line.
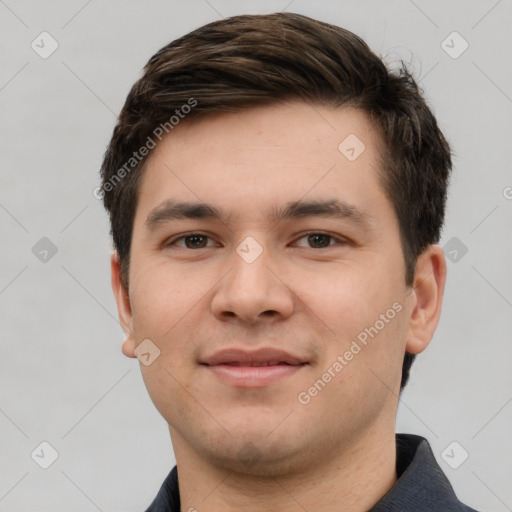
<point>316,240</point>
<point>320,240</point>
<point>191,240</point>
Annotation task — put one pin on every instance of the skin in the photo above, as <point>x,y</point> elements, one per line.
<point>336,452</point>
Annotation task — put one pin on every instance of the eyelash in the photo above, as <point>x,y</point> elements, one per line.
<point>172,242</point>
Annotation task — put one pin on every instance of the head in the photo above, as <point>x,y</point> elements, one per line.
<point>248,114</point>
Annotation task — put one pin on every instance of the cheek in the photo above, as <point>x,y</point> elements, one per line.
<point>164,310</point>
<point>344,298</point>
<point>169,309</point>
<point>355,311</point>
<point>163,297</point>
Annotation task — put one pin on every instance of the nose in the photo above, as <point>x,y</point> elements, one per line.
<point>253,291</point>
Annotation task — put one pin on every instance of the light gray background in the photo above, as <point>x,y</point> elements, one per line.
<point>63,378</point>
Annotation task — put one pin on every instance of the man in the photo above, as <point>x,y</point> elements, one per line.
<point>276,196</point>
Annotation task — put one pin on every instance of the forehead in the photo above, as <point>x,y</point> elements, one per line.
<point>268,155</point>
<point>289,128</point>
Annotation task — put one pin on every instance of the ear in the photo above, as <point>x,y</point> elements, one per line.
<point>123,305</point>
<point>427,291</point>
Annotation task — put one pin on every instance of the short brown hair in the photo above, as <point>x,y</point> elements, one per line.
<point>250,60</point>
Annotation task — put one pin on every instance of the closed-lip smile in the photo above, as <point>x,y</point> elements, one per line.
<point>257,368</point>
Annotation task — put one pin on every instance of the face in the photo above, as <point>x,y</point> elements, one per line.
<point>300,252</point>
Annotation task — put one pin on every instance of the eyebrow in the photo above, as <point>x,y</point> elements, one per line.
<point>171,210</point>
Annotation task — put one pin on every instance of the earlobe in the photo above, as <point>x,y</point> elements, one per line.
<point>123,305</point>
<point>128,347</point>
<point>428,289</point>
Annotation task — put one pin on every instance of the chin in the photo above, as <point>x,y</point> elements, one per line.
<point>250,459</point>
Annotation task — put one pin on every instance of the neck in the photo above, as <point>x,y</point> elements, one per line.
<point>353,480</point>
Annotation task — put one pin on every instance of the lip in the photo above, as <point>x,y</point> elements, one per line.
<point>245,357</point>
<point>253,376</point>
<point>237,367</point>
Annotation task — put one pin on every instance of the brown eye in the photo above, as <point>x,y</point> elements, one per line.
<point>191,241</point>
<point>196,241</point>
<point>319,240</point>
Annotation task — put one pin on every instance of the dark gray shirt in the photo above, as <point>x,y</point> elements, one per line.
<point>421,487</point>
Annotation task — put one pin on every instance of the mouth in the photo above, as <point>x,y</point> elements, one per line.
<point>261,364</point>
<point>244,369</point>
